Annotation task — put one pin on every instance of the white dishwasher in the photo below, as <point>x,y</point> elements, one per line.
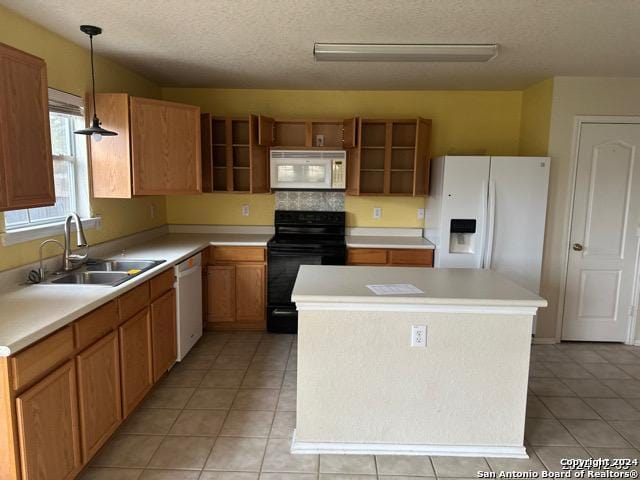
<point>188,303</point>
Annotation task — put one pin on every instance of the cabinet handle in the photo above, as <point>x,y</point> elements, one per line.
<point>577,247</point>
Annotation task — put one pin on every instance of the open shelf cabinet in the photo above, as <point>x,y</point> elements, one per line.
<point>307,133</point>
<point>232,158</point>
<point>391,157</point>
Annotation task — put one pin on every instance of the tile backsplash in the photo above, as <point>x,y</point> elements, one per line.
<point>305,200</point>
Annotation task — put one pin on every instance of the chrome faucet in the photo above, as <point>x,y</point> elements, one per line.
<point>72,260</point>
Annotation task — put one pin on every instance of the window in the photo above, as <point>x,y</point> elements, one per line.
<point>69,167</point>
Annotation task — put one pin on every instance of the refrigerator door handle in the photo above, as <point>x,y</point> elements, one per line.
<point>491,224</point>
<point>483,239</point>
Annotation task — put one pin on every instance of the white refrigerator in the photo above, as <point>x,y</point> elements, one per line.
<point>489,212</point>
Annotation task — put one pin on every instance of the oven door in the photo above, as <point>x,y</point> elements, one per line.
<point>283,265</point>
<point>301,173</point>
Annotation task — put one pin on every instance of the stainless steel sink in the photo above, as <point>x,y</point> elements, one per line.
<point>121,265</point>
<point>92,278</point>
<point>103,272</point>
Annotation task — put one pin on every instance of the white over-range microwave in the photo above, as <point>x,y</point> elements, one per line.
<point>308,169</point>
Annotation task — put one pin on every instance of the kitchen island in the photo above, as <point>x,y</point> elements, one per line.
<point>364,389</point>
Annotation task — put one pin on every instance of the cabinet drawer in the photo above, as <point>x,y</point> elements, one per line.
<point>97,323</point>
<point>416,257</point>
<point>238,254</point>
<point>38,359</point>
<point>161,283</point>
<point>133,301</point>
<point>366,256</point>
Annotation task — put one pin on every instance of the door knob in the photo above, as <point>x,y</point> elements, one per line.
<point>577,247</point>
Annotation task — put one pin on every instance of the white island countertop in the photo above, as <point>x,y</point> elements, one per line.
<point>31,312</point>
<point>446,286</point>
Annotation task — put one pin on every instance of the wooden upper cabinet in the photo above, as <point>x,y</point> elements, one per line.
<point>156,152</point>
<point>233,159</point>
<point>165,147</point>
<point>391,158</point>
<point>111,174</point>
<point>47,418</point>
<point>26,166</point>
<point>265,130</point>
<point>350,132</point>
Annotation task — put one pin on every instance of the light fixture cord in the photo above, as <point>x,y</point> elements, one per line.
<point>93,79</point>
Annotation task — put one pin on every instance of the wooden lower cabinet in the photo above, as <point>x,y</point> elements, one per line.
<point>250,288</point>
<point>99,397</point>
<point>47,419</point>
<point>399,257</point>
<point>163,333</point>
<point>135,359</point>
<point>221,292</point>
<point>236,288</point>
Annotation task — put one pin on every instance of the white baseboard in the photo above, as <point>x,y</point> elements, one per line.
<point>636,343</point>
<point>298,447</point>
<point>544,341</point>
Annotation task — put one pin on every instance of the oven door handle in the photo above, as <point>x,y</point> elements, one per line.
<point>284,313</point>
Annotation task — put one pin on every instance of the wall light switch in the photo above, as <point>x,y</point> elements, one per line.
<point>419,336</point>
<point>377,213</point>
<point>245,210</point>
<point>152,211</point>
<point>420,213</point>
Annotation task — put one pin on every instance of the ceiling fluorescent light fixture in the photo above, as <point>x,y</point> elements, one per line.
<point>380,52</point>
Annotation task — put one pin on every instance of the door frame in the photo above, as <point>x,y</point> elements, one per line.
<point>578,121</point>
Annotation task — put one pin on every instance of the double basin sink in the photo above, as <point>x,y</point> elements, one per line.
<point>104,272</point>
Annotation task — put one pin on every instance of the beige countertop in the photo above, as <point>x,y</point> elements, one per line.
<point>371,241</point>
<point>445,286</point>
<point>31,312</point>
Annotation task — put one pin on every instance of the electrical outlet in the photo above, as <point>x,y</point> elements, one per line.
<point>419,336</point>
<point>245,210</point>
<point>420,213</point>
<point>319,140</point>
<point>377,213</point>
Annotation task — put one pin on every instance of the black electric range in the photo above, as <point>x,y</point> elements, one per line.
<point>301,238</point>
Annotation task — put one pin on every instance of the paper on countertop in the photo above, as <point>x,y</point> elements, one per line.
<point>394,289</point>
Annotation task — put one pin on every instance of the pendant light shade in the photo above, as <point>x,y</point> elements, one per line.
<point>95,130</point>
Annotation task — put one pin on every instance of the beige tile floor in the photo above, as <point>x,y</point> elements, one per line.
<point>227,412</point>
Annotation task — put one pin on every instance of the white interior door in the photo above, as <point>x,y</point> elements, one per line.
<point>604,234</point>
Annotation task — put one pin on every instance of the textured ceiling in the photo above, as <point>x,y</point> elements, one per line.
<point>269,43</point>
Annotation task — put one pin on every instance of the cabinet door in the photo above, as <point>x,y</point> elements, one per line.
<point>111,157</point>
<point>135,360</point>
<point>26,167</point>
<point>163,333</point>
<point>47,417</point>
<point>165,147</point>
<point>99,393</point>
<point>221,293</point>
<point>265,130</point>
<point>349,132</point>
<point>250,293</point>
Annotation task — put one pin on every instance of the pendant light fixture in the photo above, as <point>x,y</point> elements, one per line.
<point>95,130</point>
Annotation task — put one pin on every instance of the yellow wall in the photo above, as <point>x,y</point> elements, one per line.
<point>463,122</point>
<point>536,118</point>
<point>68,70</point>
